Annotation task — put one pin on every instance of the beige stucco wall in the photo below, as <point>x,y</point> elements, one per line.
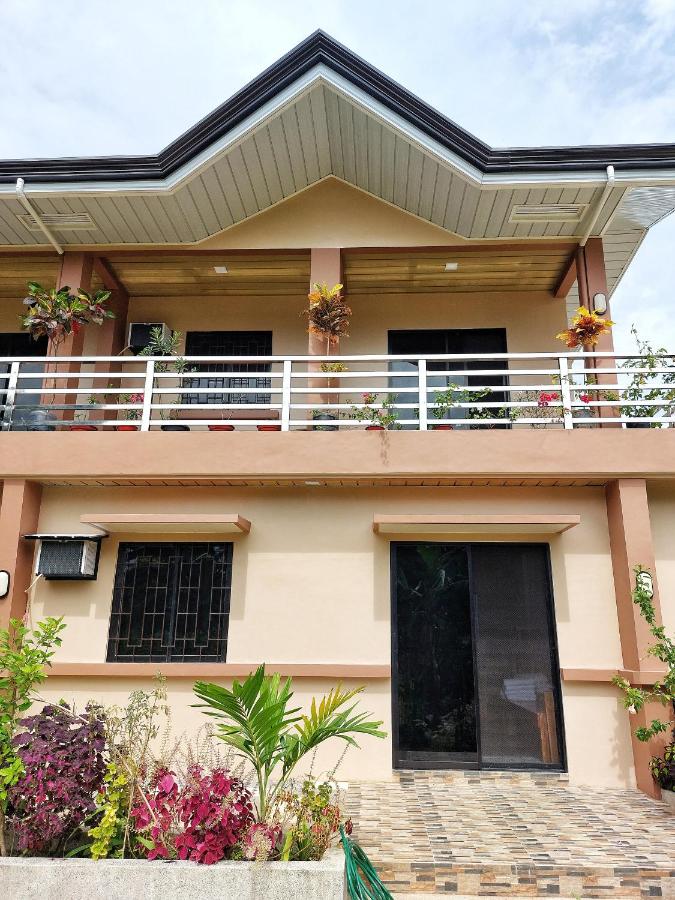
<point>311,584</point>
<point>662,516</point>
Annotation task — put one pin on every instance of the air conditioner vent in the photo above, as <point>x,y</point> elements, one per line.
<point>548,212</point>
<point>67,557</point>
<point>60,221</point>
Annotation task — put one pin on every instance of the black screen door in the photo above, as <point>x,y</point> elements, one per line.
<point>475,666</point>
<point>430,341</point>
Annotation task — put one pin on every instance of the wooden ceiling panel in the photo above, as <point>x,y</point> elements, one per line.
<point>488,267</point>
<point>172,275</point>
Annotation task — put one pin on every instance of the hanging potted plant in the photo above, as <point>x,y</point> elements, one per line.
<point>56,314</point>
<point>329,316</point>
<point>380,417</point>
<point>583,334</point>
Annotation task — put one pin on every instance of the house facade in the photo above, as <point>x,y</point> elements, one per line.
<point>471,562</point>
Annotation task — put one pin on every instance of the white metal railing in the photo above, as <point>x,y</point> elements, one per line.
<point>462,391</point>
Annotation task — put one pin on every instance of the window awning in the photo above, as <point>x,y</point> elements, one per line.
<point>527,523</point>
<point>165,523</point>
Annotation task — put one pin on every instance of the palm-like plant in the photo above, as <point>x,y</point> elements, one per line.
<point>260,725</point>
<point>328,313</point>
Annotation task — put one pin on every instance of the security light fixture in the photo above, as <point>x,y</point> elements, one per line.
<point>220,270</point>
<point>451,266</point>
<point>600,303</point>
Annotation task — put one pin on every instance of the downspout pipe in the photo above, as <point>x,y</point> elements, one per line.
<point>600,206</point>
<point>28,206</point>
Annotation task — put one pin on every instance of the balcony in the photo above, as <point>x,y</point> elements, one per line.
<point>515,391</point>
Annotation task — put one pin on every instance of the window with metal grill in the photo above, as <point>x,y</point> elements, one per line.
<point>171,602</point>
<point>228,343</point>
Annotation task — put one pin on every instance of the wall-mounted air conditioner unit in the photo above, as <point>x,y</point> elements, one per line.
<point>139,334</point>
<point>67,556</point>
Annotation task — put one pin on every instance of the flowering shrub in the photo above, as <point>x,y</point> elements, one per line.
<point>314,819</point>
<point>201,821</point>
<point>260,841</point>
<point>62,758</point>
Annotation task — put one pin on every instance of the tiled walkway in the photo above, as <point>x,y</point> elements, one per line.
<point>485,834</point>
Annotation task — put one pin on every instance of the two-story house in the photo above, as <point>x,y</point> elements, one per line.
<point>227,505</point>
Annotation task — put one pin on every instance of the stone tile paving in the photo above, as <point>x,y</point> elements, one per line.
<point>504,834</point>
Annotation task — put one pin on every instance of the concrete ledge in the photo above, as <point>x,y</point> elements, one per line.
<point>129,879</point>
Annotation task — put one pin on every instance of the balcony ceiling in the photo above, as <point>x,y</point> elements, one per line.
<point>323,112</point>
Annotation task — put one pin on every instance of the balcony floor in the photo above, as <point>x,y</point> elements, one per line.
<point>513,835</point>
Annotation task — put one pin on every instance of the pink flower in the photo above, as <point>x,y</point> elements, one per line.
<point>585,398</point>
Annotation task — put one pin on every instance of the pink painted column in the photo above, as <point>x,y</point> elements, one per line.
<point>325,266</point>
<point>19,513</point>
<point>630,538</point>
<point>76,271</point>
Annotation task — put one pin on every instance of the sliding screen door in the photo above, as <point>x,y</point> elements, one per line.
<point>475,670</point>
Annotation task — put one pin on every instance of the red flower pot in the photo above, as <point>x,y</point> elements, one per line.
<point>126,427</point>
<point>269,427</point>
<point>83,428</point>
<point>443,427</point>
<point>221,427</point>
<point>374,427</point>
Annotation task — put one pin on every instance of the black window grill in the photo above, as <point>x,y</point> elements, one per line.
<point>171,602</point>
<point>228,343</point>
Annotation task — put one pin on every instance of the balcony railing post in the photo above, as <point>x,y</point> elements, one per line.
<point>565,392</point>
<point>423,416</point>
<point>148,394</point>
<point>10,396</point>
<point>286,395</point>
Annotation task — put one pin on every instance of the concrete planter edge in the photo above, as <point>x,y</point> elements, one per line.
<point>25,878</point>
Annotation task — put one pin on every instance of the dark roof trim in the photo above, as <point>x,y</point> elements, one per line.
<point>321,48</point>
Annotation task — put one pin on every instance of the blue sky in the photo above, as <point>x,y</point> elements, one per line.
<point>127,77</point>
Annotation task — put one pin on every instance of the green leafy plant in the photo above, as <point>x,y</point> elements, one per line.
<point>56,313</point>
<point>452,396</point>
<point>650,388</point>
<point>24,655</point>
<point>380,415</point>
<point>167,345</point>
<point>259,723</point>
<point>663,649</point>
<point>335,367</point>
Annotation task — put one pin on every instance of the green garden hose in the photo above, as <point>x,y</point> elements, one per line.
<point>358,866</point>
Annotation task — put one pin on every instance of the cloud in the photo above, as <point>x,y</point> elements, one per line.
<point>96,78</point>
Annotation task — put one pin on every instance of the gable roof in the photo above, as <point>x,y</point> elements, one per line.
<point>319,49</point>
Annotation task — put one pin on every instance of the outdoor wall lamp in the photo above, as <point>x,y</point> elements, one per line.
<point>599,303</point>
<point>4,583</point>
<point>646,582</point>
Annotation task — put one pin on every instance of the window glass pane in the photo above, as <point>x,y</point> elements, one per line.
<point>171,602</point>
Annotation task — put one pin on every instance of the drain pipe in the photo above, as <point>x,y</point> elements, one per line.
<point>28,206</point>
<point>600,206</point>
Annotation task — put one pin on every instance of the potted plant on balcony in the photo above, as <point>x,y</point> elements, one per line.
<point>55,313</point>
<point>449,399</point>
<point>583,334</point>
<point>380,416</point>
<point>168,345</point>
<point>329,316</point>
<point>326,415</point>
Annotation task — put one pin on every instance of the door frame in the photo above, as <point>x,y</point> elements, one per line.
<point>553,649</point>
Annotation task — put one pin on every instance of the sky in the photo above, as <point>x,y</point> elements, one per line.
<point>122,77</point>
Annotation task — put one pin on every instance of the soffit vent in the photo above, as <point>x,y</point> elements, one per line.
<point>60,221</point>
<point>548,212</point>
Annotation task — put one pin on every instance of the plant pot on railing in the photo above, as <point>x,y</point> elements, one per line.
<point>82,428</point>
<point>126,427</point>
<point>442,427</point>
<point>220,427</point>
<point>375,428</point>
<point>167,427</point>
<point>268,427</point>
